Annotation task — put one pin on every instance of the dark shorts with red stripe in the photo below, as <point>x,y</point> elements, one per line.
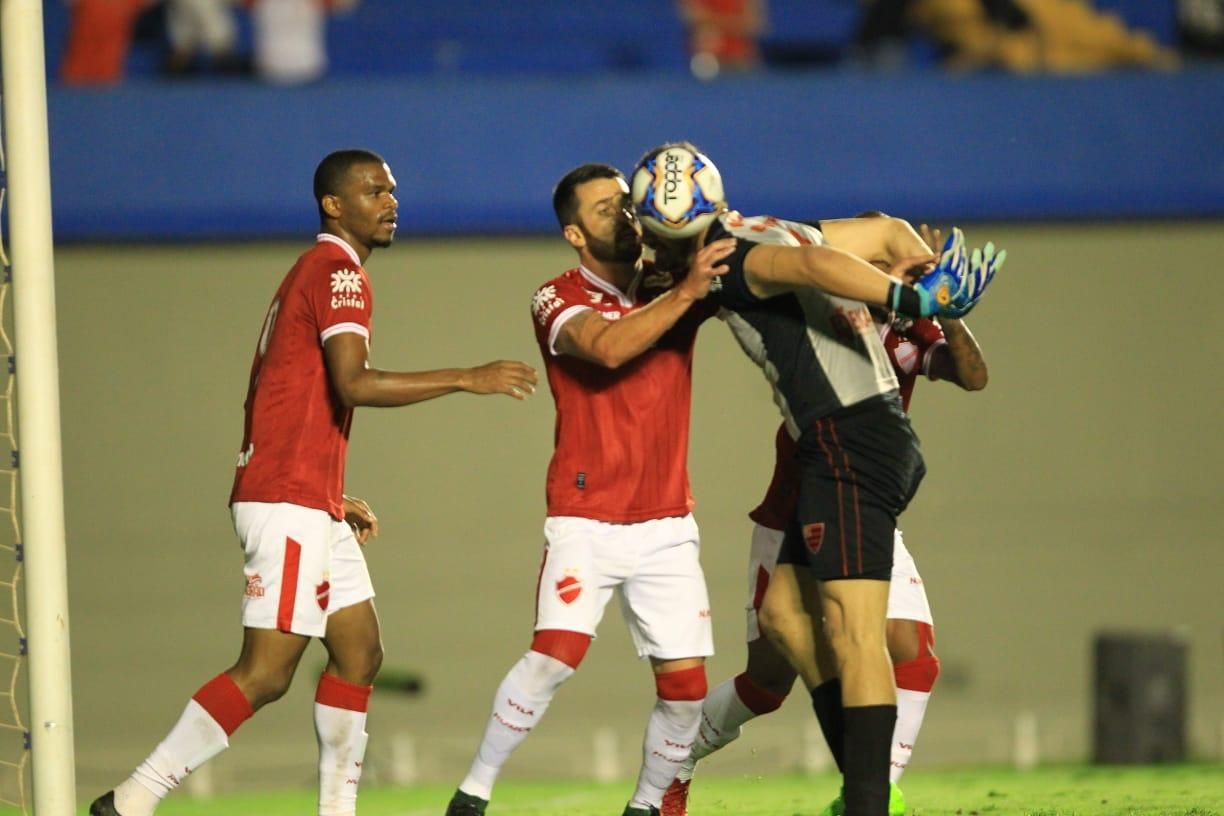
<point>858,468</point>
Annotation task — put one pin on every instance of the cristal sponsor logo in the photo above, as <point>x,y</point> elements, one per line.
<point>254,586</point>
<point>323,594</point>
<point>544,302</point>
<point>346,290</point>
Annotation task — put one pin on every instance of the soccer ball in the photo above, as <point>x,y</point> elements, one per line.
<point>677,192</point>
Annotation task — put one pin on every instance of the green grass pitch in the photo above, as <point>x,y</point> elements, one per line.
<point>1181,790</point>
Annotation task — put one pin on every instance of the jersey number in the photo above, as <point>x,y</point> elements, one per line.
<point>269,323</point>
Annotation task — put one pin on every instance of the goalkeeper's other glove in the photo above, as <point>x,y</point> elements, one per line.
<point>935,290</point>
<point>982,268</point>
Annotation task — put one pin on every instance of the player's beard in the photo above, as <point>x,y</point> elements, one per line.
<point>625,246</point>
<point>672,256</point>
<point>383,236</point>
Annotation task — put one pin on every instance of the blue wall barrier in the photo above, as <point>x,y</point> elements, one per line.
<point>156,160</point>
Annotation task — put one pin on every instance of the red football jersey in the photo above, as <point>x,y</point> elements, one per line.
<point>910,345</point>
<point>621,436</point>
<point>296,435</point>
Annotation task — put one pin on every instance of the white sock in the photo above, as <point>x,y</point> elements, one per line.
<point>342,744</point>
<point>722,714</point>
<point>522,698</point>
<point>195,739</point>
<point>911,709</point>
<point>669,739</point>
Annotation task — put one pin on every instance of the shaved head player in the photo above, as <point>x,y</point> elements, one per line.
<point>305,573</point>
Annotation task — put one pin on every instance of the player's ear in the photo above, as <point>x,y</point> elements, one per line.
<point>330,205</point>
<point>574,235</point>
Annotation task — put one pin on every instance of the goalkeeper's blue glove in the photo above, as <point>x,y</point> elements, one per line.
<point>982,268</point>
<point>937,289</point>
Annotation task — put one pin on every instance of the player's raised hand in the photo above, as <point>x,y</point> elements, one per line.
<point>938,288</point>
<point>704,271</point>
<point>509,377</point>
<point>983,265</point>
<point>359,516</point>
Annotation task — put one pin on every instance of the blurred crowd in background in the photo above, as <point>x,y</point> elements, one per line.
<point>100,42</point>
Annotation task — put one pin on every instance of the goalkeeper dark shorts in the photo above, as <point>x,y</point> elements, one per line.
<point>858,469</point>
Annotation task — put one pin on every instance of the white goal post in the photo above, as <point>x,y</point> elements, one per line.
<point>38,406</point>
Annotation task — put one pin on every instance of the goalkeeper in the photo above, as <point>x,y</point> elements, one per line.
<point>858,459</point>
<point>943,350</point>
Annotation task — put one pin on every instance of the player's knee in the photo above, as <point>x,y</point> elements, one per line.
<point>542,674</point>
<point>684,685</point>
<point>772,622</point>
<point>680,695</point>
<point>763,697</point>
<point>904,641</point>
<point>567,647</point>
<point>371,662</point>
<point>854,639</point>
<point>919,672</point>
<point>262,686</point>
<point>768,671</point>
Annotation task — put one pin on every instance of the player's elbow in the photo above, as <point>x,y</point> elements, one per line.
<point>348,393</point>
<point>976,381</point>
<point>612,360</point>
<point>606,352</point>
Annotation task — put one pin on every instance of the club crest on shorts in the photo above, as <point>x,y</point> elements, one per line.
<point>254,586</point>
<point>323,594</point>
<point>813,536</point>
<point>568,589</point>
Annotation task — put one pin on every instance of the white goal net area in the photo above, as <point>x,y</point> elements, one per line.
<point>37,773</point>
<point>14,734</point>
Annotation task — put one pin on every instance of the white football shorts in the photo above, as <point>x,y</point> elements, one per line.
<point>301,566</point>
<point>652,566</point>
<point>907,599</point>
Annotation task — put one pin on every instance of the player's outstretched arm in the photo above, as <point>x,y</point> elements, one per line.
<point>881,240</point>
<point>357,384</point>
<point>612,343</point>
<point>773,270</point>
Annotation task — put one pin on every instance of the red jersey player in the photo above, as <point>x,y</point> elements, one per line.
<point>617,341</point>
<point>916,346</point>
<point>306,576</point>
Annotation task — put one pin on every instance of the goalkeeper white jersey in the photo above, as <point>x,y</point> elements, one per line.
<point>820,353</point>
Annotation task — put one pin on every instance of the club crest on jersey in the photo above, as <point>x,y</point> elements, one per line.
<point>346,290</point>
<point>254,586</point>
<point>568,589</point>
<point>323,594</point>
<point>813,536</point>
<point>906,356</point>
<point>544,302</point>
